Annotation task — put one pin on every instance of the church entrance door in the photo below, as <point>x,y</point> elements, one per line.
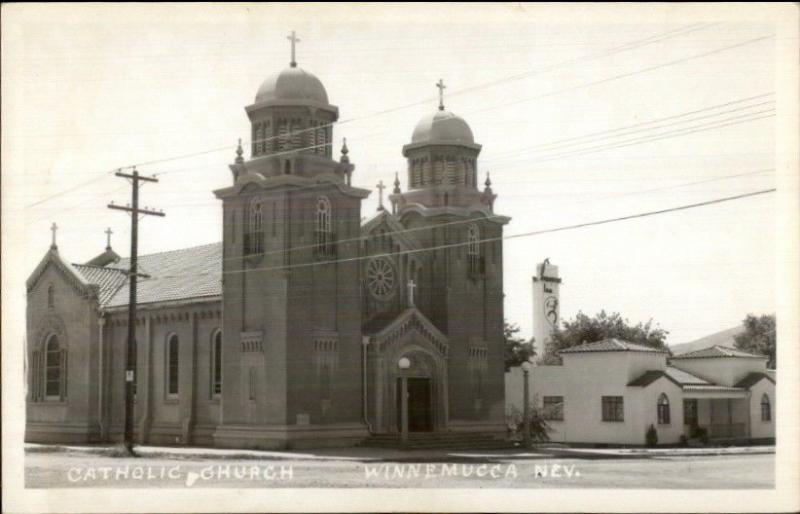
<point>419,406</point>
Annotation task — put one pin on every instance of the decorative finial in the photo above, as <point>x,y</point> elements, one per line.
<point>53,229</point>
<point>441,87</point>
<point>488,184</point>
<point>294,39</point>
<point>345,151</point>
<point>108,238</point>
<point>239,153</point>
<point>396,184</point>
<point>380,187</point>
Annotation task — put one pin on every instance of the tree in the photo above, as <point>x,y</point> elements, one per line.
<point>586,329</point>
<point>516,349</point>
<point>758,337</point>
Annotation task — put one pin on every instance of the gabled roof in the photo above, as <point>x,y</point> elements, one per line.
<point>67,270</point>
<point>717,351</point>
<point>108,280</point>
<point>396,229</point>
<point>611,345</point>
<point>752,379</point>
<point>411,319</point>
<point>676,376</point>
<point>684,377</point>
<point>188,273</point>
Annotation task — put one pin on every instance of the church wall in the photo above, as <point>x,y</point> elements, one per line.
<point>324,329</point>
<point>469,310</point>
<point>74,319</point>
<point>158,418</point>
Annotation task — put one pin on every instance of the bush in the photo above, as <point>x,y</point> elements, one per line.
<point>700,433</point>
<point>684,441</point>
<point>539,427</point>
<point>652,436</point>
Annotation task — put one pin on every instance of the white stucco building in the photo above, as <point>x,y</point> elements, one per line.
<point>611,391</point>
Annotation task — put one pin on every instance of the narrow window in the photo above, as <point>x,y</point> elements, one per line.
<point>51,297</point>
<point>553,408</point>
<point>323,229</point>
<point>473,250</point>
<point>259,139</point>
<point>766,408</point>
<point>216,364</point>
<point>254,242</point>
<point>663,409</point>
<point>172,366</point>
<point>613,409</point>
<point>53,369</point>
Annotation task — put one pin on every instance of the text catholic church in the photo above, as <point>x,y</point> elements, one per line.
<point>304,325</point>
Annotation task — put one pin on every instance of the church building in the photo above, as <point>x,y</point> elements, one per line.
<point>311,323</point>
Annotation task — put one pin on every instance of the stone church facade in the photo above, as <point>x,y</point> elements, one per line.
<point>306,323</point>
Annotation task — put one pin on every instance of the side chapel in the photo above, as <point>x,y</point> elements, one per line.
<point>304,326</point>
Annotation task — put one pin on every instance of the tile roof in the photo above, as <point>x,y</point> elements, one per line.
<point>684,377</point>
<point>187,273</point>
<point>108,280</point>
<point>711,388</point>
<point>752,379</point>
<point>716,352</point>
<point>611,345</point>
<point>647,378</point>
<point>677,376</point>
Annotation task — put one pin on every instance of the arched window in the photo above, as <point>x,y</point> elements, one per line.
<point>216,364</point>
<point>473,249</point>
<point>323,230</point>
<point>254,239</point>
<point>173,352</point>
<point>766,408</point>
<point>663,409</point>
<point>55,370</point>
<point>259,139</point>
<point>51,296</point>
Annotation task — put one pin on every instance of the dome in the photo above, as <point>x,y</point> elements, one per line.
<point>442,126</point>
<point>292,84</point>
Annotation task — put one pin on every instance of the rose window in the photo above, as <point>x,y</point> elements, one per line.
<point>381,278</point>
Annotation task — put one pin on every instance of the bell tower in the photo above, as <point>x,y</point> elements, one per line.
<point>460,284</point>
<point>291,306</point>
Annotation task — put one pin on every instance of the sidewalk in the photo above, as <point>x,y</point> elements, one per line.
<point>616,453</point>
<point>364,454</point>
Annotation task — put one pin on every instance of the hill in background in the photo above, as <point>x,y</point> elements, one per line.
<point>723,338</point>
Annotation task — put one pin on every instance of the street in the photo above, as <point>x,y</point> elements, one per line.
<point>371,468</point>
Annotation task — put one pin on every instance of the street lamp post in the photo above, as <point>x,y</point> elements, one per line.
<point>404,363</point>
<point>526,408</point>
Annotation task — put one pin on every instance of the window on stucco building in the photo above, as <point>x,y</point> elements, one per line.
<point>613,408</point>
<point>766,408</point>
<point>663,409</point>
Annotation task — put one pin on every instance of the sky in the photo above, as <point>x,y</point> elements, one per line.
<point>582,117</point>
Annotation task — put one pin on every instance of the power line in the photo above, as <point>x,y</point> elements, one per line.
<point>494,239</point>
<point>643,126</point>
<point>515,77</point>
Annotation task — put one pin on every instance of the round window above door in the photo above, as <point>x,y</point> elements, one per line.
<point>381,278</point>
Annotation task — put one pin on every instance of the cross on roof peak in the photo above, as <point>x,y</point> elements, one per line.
<point>294,39</point>
<point>53,229</point>
<point>380,187</point>
<point>108,238</point>
<point>441,87</point>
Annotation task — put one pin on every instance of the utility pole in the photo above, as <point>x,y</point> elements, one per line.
<point>133,275</point>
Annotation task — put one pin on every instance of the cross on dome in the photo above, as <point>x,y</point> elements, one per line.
<point>108,238</point>
<point>441,87</point>
<point>294,39</point>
